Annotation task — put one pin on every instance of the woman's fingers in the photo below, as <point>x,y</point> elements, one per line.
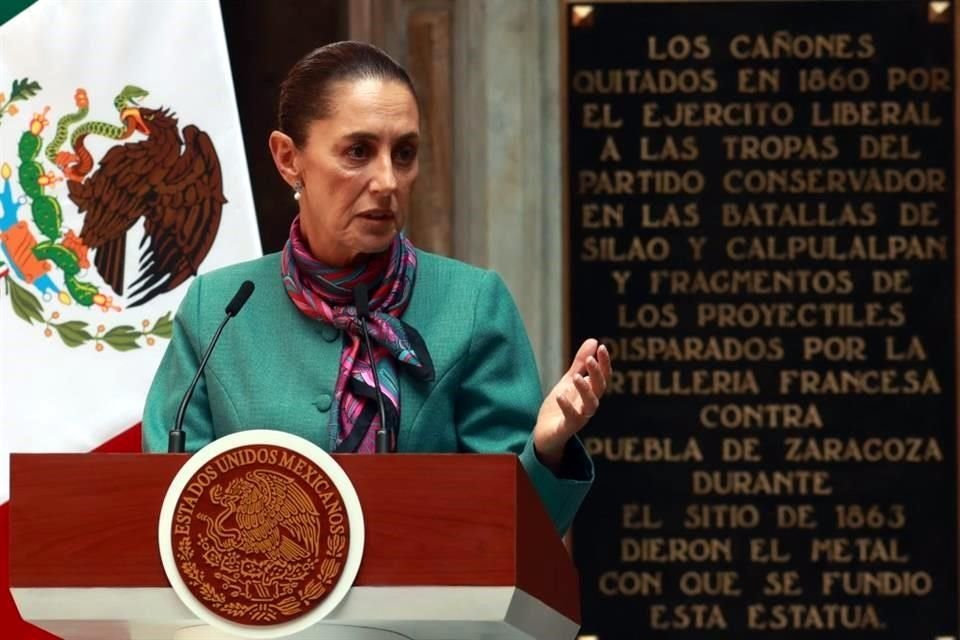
<point>586,350</point>
<point>570,413</point>
<point>578,416</point>
<point>605,364</point>
<point>588,399</point>
<point>598,381</point>
<point>590,374</point>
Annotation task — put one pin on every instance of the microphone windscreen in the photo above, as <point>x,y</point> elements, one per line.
<point>240,298</point>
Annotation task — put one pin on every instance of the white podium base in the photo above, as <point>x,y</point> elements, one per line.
<point>324,631</point>
<point>414,613</point>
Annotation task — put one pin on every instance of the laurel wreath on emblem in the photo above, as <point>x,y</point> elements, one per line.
<point>232,574</point>
<point>171,179</point>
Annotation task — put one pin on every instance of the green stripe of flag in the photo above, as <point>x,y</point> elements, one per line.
<point>10,8</point>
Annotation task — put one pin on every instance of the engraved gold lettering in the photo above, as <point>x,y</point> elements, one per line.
<point>810,617</point>
<point>677,550</point>
<point>795,482</point>
<point>687,616</point>
<point>631,583</point>
<point>782,45</point>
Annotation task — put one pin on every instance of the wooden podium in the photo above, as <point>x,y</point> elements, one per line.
<point>457,546</point>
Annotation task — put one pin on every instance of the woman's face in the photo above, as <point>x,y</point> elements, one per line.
<point>357,167</point>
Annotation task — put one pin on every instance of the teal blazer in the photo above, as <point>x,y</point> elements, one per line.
<point>276,368</point>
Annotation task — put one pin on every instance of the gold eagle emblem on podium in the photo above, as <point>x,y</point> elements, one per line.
<point>264,543</point>
<point>265,512</point>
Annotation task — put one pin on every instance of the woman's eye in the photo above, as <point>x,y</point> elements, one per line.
<point>405,155</point>
<point>357,152</point>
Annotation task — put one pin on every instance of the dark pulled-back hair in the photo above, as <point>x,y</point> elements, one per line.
<point>306,92</point>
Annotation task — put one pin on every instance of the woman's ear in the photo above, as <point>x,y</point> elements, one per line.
<point>284,153</point>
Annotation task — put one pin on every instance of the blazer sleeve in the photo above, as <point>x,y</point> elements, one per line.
<point>177,369</point>
<point>500,397</point>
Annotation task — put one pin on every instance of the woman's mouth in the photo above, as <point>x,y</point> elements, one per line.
<point>378,215</point>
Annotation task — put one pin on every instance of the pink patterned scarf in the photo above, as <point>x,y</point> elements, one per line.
<point>326,295</point>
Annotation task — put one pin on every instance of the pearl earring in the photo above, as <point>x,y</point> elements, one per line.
<point>297,189</point>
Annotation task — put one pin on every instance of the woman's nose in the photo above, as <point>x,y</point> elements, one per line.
<point>384,177</point>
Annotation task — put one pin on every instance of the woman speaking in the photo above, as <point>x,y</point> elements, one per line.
<point>455,366</point>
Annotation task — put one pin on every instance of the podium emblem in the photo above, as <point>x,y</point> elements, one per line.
<point>261,530</point>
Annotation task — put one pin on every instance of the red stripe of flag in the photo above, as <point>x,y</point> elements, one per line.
<point>10,622</point>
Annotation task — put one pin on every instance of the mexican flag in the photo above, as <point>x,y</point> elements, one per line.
<point>122,175</point>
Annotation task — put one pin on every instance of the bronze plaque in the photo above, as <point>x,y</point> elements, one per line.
<point>760,226</point>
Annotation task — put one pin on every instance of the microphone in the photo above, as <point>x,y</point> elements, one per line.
<point>362,302</point>
<point>177,441</point>
<point>239,298</point>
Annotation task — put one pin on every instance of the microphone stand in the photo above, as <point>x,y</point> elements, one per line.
<point>362,303</point>
<point>177,440</point>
